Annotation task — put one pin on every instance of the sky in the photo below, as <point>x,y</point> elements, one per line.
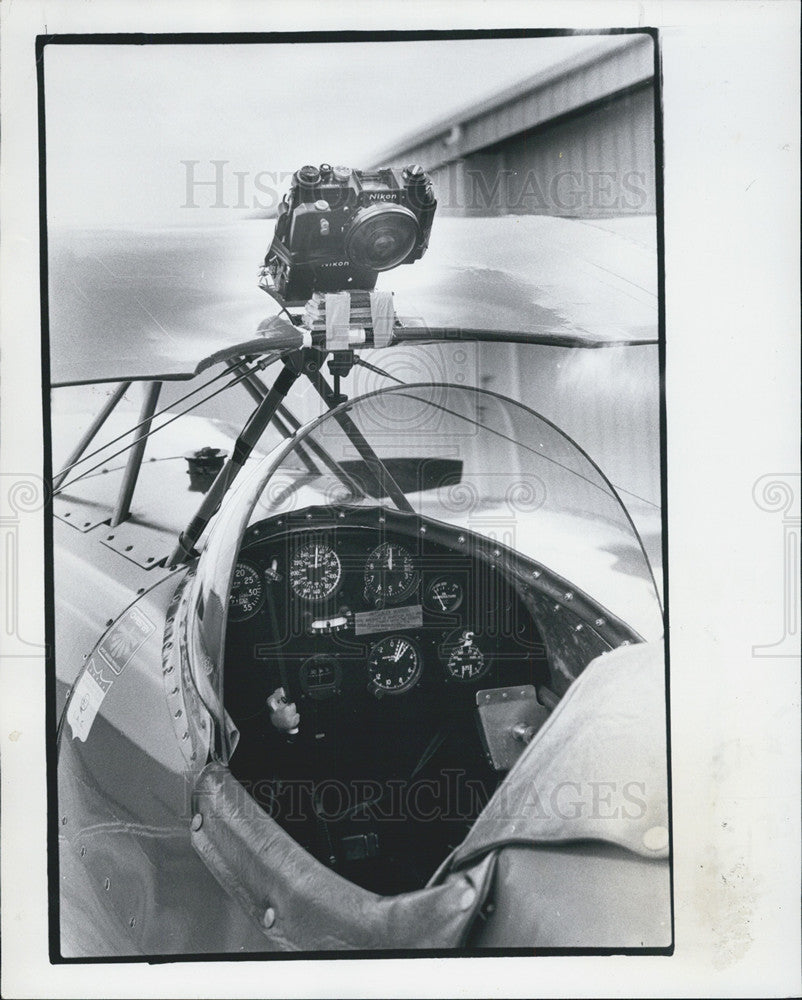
<point>134,131</point>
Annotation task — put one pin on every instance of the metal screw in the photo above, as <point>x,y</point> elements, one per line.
<point>269,917</point>
<point>461,539</point>
<point>132,922</point>
<point>599,621</point>
<point>83,851</point>
<point>107,884</point>
<point>197,822</point>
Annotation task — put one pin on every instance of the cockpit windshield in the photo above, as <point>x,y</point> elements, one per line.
<point>452,455</point>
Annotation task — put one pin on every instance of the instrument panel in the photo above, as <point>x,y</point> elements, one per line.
<point>361,608</point>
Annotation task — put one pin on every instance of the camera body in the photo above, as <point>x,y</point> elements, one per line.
<point>337,228</point>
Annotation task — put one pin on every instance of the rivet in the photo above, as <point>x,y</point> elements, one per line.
<point>556,607</point>
<point>269,917</point>
<point>63,820</point>
<point>107,884</point>
<point>423,529</point>
<point>309,517</point>
<point>185,736</point>
<point>175,690</point>
<point>109,623</point>
<point>626,642</point>
<point>536,573</point>
<point>197,822</point>
<point>599,621</point>
<point>382,519</point>
<point>178,713</point>
<point>341,515</point>
<point>496,552</point>
<point>168,669</point>
<point>578,628</point>
<point>461,539</point>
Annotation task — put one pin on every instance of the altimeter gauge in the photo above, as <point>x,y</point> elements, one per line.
<point>390,573</point>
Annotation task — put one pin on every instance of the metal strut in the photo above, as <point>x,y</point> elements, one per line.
<point>123,506</point>
<point>249,436</point>
<point>91,431</point>
<point>381,475</point>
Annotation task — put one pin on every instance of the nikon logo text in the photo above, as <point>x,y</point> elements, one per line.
<point>382,196</point>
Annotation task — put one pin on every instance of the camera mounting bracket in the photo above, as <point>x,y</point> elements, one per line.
<point>342,321</point>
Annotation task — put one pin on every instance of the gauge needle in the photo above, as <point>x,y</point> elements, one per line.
<point>390,561</point>
<point>316,551</point>
<point>442,602</point>
<point>401,649</point>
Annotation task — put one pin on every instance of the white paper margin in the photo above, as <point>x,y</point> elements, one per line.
<point>732,268</point>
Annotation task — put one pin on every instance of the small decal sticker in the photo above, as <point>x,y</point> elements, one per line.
<point>125,638</point>
<point>86,700</point>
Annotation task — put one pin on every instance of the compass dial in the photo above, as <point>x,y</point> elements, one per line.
<point>394,665</point>
<point>315,571</point>
<point>247,592</point>
<point>390,573</point>
<point>466,661</point>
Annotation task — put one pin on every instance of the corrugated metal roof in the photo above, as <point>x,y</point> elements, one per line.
<point>560,90</point>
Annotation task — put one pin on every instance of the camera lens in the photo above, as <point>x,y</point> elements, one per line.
<point>381,236</point>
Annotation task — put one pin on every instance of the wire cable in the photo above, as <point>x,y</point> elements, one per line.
<point>166,409</point>
<point>183,413</point>
<point>377,371</point>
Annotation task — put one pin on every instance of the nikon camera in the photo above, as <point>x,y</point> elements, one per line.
<point>338,227</point>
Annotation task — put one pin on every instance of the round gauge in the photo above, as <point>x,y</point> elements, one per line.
<point>315,571</point>
<point>444,595</point>
<point>390,573</point>
<point>394,665</point>
<point>320,677</point>
<point>466,661</point>
<point>247,592</point>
